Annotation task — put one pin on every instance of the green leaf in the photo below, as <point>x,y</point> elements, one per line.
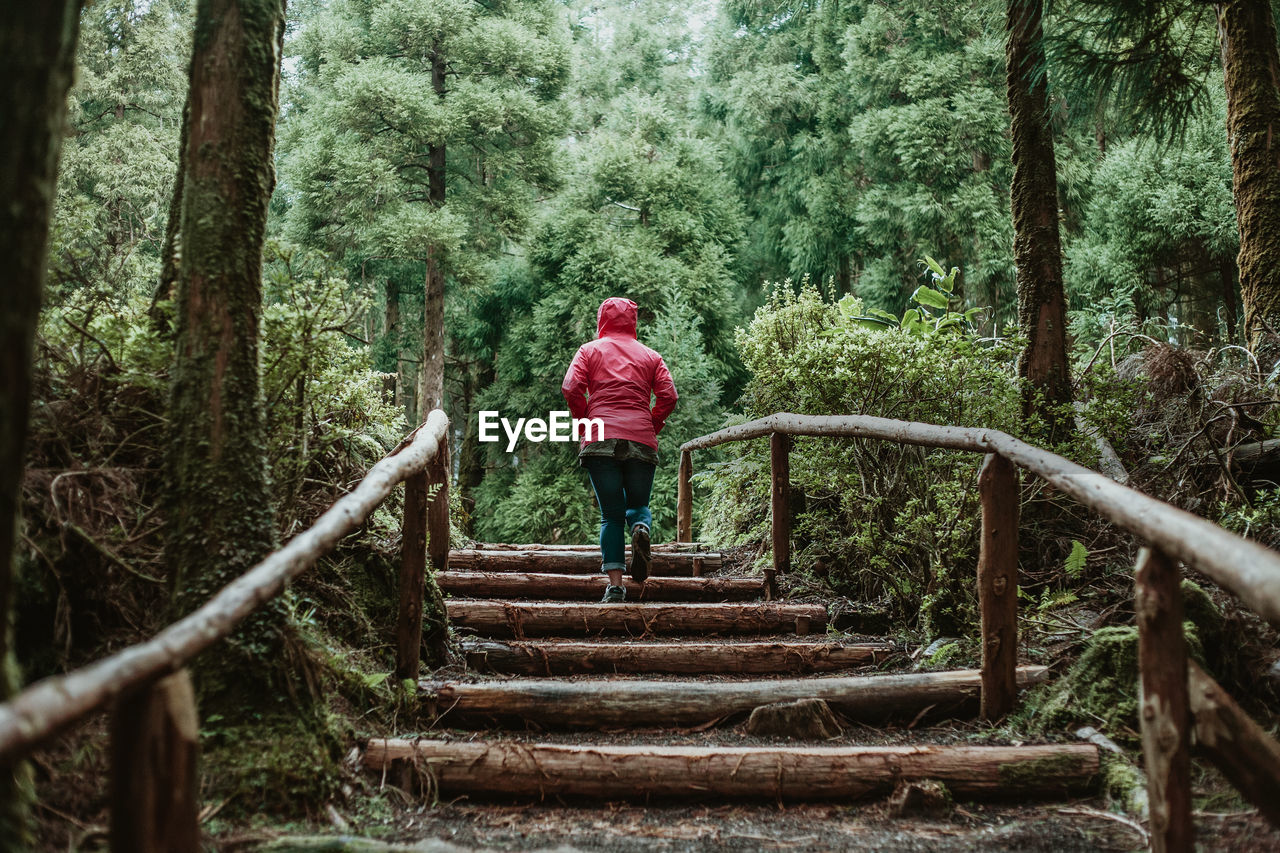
<point>884,315</point>
<point>911,317</point>
<point>934,267</point>
<point>1076,559</point>
<point>873,323</point>
<point>928,296</point>
<point>374,679</point>
<point>971,313</point>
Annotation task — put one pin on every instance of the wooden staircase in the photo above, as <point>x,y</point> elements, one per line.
<point>692,650</point>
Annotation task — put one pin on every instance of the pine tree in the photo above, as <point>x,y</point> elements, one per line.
<point>423,128</point>
<point>1037,248</point>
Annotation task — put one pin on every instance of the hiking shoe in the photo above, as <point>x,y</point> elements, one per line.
<point>614,594</point>
<point>639,552</point>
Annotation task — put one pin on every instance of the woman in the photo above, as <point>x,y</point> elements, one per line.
<point>611,378</point>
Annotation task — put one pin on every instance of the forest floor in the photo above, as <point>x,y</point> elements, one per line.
<point>1082,825</point>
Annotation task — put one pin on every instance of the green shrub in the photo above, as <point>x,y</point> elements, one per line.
<point>895,523</point>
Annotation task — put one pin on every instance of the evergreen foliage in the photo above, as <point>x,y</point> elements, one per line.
<point>545,156</point>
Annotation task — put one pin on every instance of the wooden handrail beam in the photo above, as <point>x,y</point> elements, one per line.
<point>53,703</point>
<point>1247,569</point>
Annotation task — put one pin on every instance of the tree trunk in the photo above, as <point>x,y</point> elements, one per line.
<point>219,514</point>
<point>1251,68</point>
<point>37,54</point>
<point>692,773</point>
<point>391,323</point>
<point>171,251</point>
<point>570,657</point>
<point>1037,250</point>
<point>520,619</point>
<point>472,453</point>
<point>1227,278</point>
<point>431,374</point>
<point>636,703</point>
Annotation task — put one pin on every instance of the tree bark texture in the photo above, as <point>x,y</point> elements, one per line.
<point>1164,713</point>
<point>1037,249</point>
<point>431,375</point>
<point>155,789</point>
<point>1251,69</point>
<point>998,585</point>
<point>631,703</point>
<point>792,773</point>
<point>1246,755</point>
<point>219,514</point>
<point>393,331</point>
<point>543,619</point>
<point>665,563</point>
<point>591,587</point>
<point>567,657</point>
<point>37,56</point>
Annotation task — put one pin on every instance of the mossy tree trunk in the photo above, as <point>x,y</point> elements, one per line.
<point>472,453</point>
<point>220,519</point>
<point>1251,67</point>
<point>1037,248</point>
<point>431,376</point>
<point>170,252</point>
<point>37,63</point>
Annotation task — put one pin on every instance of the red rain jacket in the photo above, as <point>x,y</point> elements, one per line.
<point>611,378</point>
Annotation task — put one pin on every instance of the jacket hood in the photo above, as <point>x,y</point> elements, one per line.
<point>617,316</point>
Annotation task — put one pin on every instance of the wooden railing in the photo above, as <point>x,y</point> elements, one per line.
<point>1178,699</point>
<point>154,724</point>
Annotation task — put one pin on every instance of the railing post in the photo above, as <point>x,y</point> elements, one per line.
<point>1165,711</point>
<point>426,526</point>
<point>413,556</point>
<point>155,736</point>
<point>998,585</point>
<point>780,471</point>
<point>438,510</point>
<point>684,499</point>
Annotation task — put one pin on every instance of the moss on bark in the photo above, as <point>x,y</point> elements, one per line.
<point>219,516</point>
<point>37,55</point>
<point>1251,70</point>
<point>1037,248</point>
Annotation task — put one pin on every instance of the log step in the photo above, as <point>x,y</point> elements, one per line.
<point>656,547</point>
<point>572,658</point>
<point>542,619</point>
<point>591,587</point>
<point>576,562</point>
<point>647,704</point>
<point>796,774</point>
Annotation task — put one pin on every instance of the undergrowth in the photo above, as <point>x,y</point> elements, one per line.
<point>91,570</point>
